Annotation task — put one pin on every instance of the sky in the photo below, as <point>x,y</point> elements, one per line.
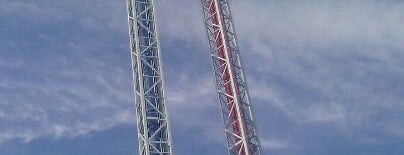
<point>325,77</point>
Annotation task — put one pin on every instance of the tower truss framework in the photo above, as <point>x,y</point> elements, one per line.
<point>240,130</point>
<point>151,110</point>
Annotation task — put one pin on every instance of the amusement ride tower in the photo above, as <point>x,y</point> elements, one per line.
<point>231,85</point>
<point>151,110</point>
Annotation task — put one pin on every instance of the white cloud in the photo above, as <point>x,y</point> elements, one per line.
<point>7,64</point>
<point>10,135</point>
<point>337,63</point>
<point>33,11</point>
<point>181,20</point>
<point>331,112</point>
<point>275,144</point>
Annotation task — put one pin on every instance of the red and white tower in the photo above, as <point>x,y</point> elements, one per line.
<point>241,133</point>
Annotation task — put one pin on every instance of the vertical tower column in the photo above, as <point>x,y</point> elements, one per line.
<point>151,109</point>
<point>241,133</point>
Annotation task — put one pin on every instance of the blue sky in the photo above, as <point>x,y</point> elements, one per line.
<point>326,77</point>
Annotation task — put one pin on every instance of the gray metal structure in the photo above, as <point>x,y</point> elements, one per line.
<point>151,110</point>
<point>240,130</point>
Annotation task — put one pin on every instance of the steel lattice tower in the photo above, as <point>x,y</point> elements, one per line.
<point>241,133</point>
<point>151,109</point>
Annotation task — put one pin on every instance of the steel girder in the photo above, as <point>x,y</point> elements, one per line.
<point>151,110</point>
<point>240,130</point>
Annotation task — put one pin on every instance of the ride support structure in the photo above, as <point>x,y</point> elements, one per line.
<point>153,126</point>
<point>241,133</point>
